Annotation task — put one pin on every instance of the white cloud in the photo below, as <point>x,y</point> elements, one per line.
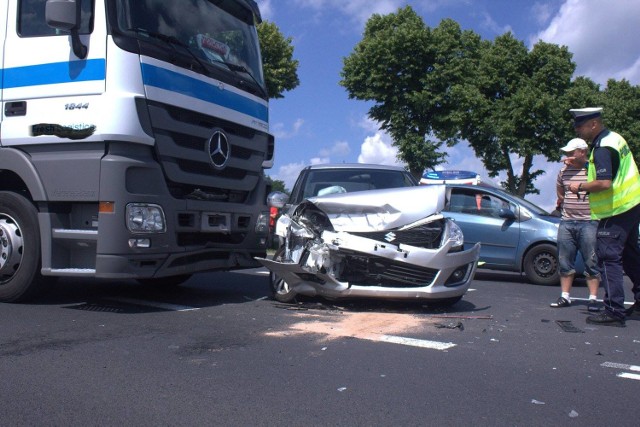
<point>319,160</point>
<point>266,10</point>
<point>378,149</point>
<point>289,173</point>
<point>357,10</point>
<point>340,148</point>
<point>542,12</point>
<point>490,24</point>
<point>279,131</point>
<point>602,36</point>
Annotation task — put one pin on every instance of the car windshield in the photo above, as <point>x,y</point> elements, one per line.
<point>320,182</point>
<point>220,34</point>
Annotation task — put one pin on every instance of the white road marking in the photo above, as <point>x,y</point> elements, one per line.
<point>599,300</point>
<point>621,366</point>
<point>626,367</point>
<point>146,303</point>
<point>629,376</point>
<point>435,345</point>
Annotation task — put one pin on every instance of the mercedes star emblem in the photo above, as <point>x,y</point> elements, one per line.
<point>219,149</point>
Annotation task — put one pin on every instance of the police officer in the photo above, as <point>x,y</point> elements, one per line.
<point>613,184</point>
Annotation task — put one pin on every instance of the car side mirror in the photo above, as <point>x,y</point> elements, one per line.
<point>277,199</point>
<point>506,213</point>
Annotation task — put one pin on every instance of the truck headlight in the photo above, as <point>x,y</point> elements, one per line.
<point>145,218</point>
<point>262,223</point>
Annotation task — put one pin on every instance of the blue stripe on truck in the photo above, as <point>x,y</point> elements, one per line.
<point>175,82</point>
<point>54,73</point>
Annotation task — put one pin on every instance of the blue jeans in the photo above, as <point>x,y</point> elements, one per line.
<point>573,236</point>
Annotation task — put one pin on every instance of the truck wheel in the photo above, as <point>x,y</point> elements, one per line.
<point>279,288</point>
<point>541,265</point>
<point>20,263</point>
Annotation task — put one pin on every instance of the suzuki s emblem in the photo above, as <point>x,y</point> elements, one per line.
<point>219,149</point>
<point>390,236</point>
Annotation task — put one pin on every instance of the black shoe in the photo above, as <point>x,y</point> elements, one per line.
<point>635,308</point>
<point>606,319</point>
<point>593,306</point>
<point>562,302</point>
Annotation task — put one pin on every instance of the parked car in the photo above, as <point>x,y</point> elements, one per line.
<point>345,239</point>
<point>516,234</point>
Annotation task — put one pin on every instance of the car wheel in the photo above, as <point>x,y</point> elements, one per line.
<point>280,289</point>
<point>541,265</point>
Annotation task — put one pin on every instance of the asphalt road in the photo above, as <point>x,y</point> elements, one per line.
<point>217,351</point>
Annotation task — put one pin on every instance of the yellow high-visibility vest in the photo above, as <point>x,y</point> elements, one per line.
<point>625,187</point>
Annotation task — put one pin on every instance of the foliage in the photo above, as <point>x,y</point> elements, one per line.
<point>621,110</point>
<point>409,71</point>
<point>432,86</point>
<point>278,185</point>
<point>279,67</point>
<point>516,108</point>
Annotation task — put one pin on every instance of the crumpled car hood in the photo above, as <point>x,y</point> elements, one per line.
<point>378,210</point>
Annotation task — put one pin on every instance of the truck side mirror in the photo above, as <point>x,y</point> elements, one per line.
<point>61,14</point>
<point>65,15</point>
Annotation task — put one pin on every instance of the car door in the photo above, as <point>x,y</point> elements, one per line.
<point>487,218</point>
<point>48,92</point>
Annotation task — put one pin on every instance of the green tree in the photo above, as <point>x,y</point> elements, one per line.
<point>278,185</point>
<point>410,71</point>
<point>621,109</point>
<point>515,108</point>
<point>279,67</point>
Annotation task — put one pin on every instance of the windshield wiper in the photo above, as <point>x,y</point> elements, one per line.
<point>242,69</point>
<point>173,42</point>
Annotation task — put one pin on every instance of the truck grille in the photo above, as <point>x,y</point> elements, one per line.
<point>181,146</point>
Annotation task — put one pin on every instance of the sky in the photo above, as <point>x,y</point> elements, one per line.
<point>318,123</point>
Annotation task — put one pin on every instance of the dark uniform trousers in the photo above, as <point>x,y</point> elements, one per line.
<point>618,250</point>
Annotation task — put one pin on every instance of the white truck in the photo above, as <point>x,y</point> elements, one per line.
<point>133,140</point>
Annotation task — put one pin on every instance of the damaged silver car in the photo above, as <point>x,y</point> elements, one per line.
<point>391,243</point>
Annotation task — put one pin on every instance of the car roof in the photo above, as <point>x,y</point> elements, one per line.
<point>364,166</point>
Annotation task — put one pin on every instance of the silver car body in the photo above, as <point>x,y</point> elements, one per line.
<point>391,243</point>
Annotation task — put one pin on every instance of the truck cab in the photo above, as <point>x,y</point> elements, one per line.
<point>134,137</point>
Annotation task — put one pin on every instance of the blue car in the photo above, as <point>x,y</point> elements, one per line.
<point>516,235</point>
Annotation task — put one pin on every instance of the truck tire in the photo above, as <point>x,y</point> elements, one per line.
<point>541,265</point>
<point>20,256</point>
<point>280,289</point>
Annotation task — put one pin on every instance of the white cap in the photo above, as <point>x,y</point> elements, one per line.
<point>574,144</point>
<point>582,114</point>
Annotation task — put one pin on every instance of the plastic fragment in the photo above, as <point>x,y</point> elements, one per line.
<point>573,414</point>
<point>342,389</point>
<point>537,402</point>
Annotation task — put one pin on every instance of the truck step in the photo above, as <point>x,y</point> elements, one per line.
<point>68,234</point>
<point>72,272</point>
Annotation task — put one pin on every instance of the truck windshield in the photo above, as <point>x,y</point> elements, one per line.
<point>219,34</point>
